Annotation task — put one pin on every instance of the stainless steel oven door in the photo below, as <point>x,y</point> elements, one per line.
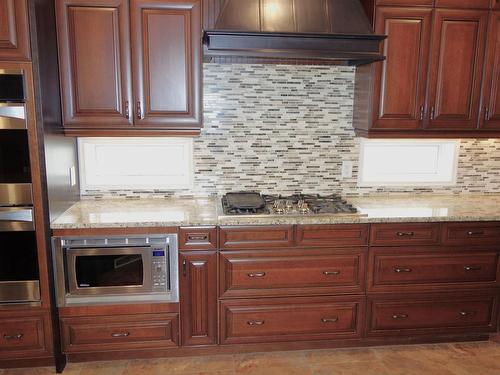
<point>13,116</point>
<point>16,219</point>
<point>108,271</point>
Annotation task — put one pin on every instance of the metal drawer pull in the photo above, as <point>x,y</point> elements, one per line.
<point>13,337</point>
<point>402,270</point>
<point>127,110</point>
<point>331,273</point>
<point>405,234</point>
<point>120,334</point>
<point>476,233</point>
<point>197,237</point>
<point>330,320</point>
<point>400,316</point>
<point>255,322</point>
<point>467,313</point>
<point>472,268</point>
<point>256,274</point>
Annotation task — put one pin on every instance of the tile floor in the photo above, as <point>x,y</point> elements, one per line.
<point>482,358</point>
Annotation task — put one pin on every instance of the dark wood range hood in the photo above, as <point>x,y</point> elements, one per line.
<point>319,31</point>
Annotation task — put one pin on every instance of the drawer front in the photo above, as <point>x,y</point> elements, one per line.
<point>390,271</point>
<point>198,238</point>
<point>332,235</point>
<point>256,237</point>
<point>24,334</point>
<point>424,315</point>
<point>291,319</point>
<point>465,4</point>
<point>119,332</point>
<point>267,273</point>
<point>404,234</point>
<point>471,234</point>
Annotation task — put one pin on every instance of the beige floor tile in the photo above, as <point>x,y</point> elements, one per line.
<point>340,355</point>
<point>104,368</point>
<point>355,368</point>
<point>30,371</point>
<point>195,365</point>
<point>246,363</point>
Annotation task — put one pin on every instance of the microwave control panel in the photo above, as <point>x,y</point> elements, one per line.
<point>160,270</point>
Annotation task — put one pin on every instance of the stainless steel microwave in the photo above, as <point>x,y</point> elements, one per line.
<point>116,269</point>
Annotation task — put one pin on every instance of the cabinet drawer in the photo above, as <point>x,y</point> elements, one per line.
<point>256,237</point>
<point>332,235</point>
<point>463,4</point>
<point>471,234</point>
<point>119,332</point>
<point>290,319</point>
<point>404,234</point>
<point>197,238</point>
<point>393,269</point>
<point>275,273</point>
<point>421,314</point>
<point>23,334</point>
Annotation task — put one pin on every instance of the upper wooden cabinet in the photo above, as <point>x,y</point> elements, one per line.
<point>95,67</point>
<point>406,2</point>
<point>137,73</point>
<point>14,31</point>
<point>167,62</point>
<point>490,109</point>
<point>399,96</point>
<point>457,56</point>
<point>495,4</point>
<point>430,83</point>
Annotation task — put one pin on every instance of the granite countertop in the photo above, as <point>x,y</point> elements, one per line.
<point>119,213</point>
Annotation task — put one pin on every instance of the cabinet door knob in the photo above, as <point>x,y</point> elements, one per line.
<point>402,270</point>
<point>335,319</point>
<point>184,267</point>
<point>487,113</point>
<point>400,316</point>
<point>120,334</point>
<point>331,273</point>
<point>421,113</point>
<point>127,110</point>
<point>18,337</point>
<point>255,322</point>
<point>256,274</point>
<point>432,113</point>
<point>139,110</point>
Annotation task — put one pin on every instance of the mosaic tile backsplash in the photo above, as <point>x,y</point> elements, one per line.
<point>286,129</point>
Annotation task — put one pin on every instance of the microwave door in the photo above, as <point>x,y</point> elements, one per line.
<point>105,271</point>
<point>12,116</point>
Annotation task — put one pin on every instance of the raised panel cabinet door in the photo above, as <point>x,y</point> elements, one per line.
<point>495,4</point>
<point>94,58</point>
<point>457,56</point>
<point>14,30</point>
<point>490,111</point>
<point>198,297</point>
<point>166,44</point>
<point>401,79</point>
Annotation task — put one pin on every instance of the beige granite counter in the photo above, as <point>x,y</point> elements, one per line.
<point>123,213</point>
<point>177,212</point>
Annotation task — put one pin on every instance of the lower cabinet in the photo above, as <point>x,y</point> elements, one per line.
<point>423,314</point>
<point>24,335</point>
<point>119,332</point>
<point>291,319</point>
<point>198,296</point>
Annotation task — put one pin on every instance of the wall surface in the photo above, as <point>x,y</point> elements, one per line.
<point>285,129</point>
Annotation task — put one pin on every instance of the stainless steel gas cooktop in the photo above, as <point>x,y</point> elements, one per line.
<point>251,203</point>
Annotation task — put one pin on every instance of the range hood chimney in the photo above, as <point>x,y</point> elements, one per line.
<point>320,31</point>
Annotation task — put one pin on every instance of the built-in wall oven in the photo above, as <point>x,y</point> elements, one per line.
<point>116,269</point>
<point>19,275</point>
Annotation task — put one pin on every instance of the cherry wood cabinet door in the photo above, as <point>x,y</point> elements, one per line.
<point>400,83</point>
<point>94,58</point>
<point>198,297</point>
<point>490,111</point>
<point>495,4</point>
<point>407,3</point>
<point>457,55</point>
<point>166,44</point>
<point>14,30</point>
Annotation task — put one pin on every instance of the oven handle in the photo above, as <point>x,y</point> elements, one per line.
<point>16,219</point>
